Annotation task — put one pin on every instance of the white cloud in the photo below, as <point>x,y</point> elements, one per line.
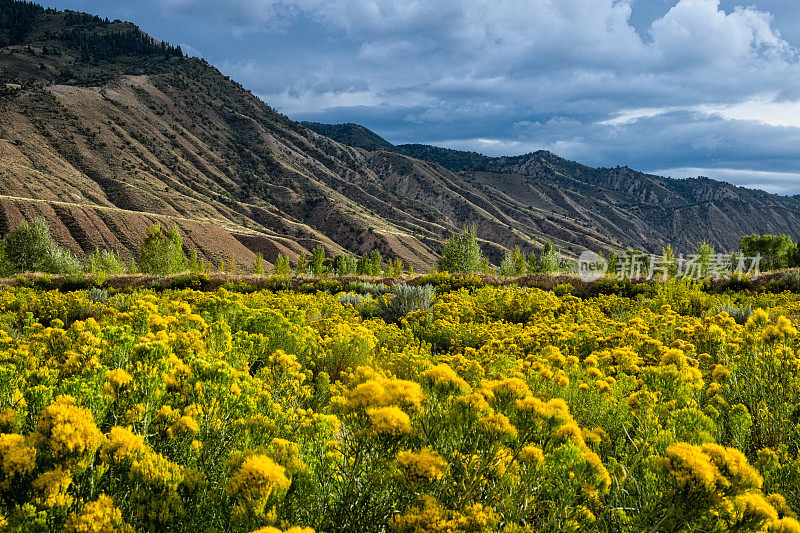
<point>776,182</point>
<point>762,109</point>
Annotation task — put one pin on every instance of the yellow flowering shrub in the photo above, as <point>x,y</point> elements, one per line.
<point>500,408</point>
<point>423,465</point>
<point>67,433</point>
<point>257,480</point>
<point>389,421</point>
<point>16,456</point>
<point>99,516</point>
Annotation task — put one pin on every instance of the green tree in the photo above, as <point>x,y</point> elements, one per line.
<point>793,256</point>
<point>670,263</point>
<point>514,263</point>
<point>161,252</point>
<point>613,263</point>
<point>776,250</point>
<point>318,261</point>
<point>258,264</point>
<point>282,266</point>
<point>550,259</point>
<point>362,265</point>
<point>532,265</point>
<point>375,263</point>
<point>462,253</point>
<point>397,268</point>
<point>344,265</point>
<point>705,256</point>
<point>194,264</point>
<point>30,248</point>
<point>105,261</point>
<point>301,268</point>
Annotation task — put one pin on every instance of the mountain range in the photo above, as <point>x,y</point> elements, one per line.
<point>105,130</point>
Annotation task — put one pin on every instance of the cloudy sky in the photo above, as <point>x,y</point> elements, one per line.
<point>676,87</point>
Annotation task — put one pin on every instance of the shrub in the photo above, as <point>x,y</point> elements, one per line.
<point>513,264</point>
<point>563,289</point>
<point>351,298</point>
<point>405,299</point>
<point>739,314</point>
<point>76,282</point>
<point>195,281</point>
<point>239,286</point>
<point>106,261</point>
<point>365,287</point>
<point>98,295</point>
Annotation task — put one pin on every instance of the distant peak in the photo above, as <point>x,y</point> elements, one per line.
<point>351,134</point>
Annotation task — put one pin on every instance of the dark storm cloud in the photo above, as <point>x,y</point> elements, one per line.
<point>658,85</point>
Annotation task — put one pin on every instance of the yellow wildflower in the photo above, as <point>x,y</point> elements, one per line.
<point>100,516</point>
<point>390,420</point>
<point>67,432</point>
<point>257,479</point>
<point>51,488</point>
<point>423,465</point>
<point>16,456</point>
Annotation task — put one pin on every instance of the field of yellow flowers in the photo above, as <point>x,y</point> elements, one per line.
<point>497,409</point>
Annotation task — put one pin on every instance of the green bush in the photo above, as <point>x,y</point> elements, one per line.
<point>240,287</point>
<point>344,265</point>
<point>258,264</point>
<point>352,298</point>
<point>106,261</point>
<point>513,264</point>
<point>365,287</point>
<point>405,299</point>
<point>443,282</point>
<point>563,289</point>
<point>76,282</point>
<point>282,266</point>
<point>739,314</point>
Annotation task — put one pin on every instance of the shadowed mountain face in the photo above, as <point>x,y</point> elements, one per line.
<point>638,210</point>
<point>104,130</point>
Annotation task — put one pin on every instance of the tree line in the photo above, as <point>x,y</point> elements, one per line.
<point>16,20</point>
<point>30,248</point>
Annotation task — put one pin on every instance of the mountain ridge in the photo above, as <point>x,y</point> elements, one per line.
<point>646,199</point>
<point>104,130</point>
